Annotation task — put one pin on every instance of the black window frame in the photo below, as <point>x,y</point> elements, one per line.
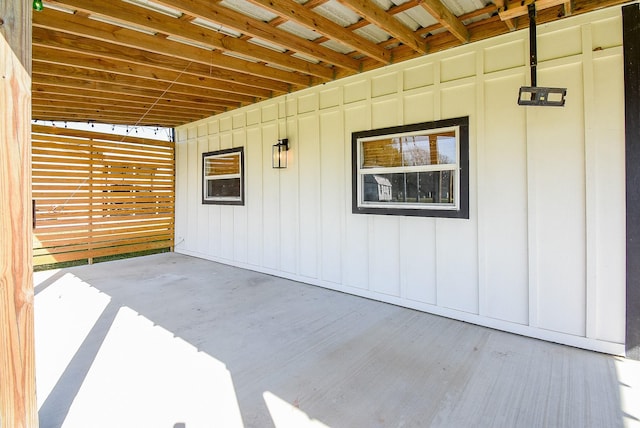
<point>223,152</point>
<point>462,212</point>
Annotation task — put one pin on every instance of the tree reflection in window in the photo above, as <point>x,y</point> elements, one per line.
<point>411,168</point>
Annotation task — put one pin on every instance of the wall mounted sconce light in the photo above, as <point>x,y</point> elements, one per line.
<point>279,153</point>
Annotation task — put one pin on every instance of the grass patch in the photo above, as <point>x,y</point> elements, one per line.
<point>82,262</point>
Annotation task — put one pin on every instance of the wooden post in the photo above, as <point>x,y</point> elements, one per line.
<point>18,407</point>
<point>631,51</point>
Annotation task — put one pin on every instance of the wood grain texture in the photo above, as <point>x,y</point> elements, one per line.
<point>18,408</point>
<point>98,194</point>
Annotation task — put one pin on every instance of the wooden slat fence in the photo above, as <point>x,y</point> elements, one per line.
<point>100,194</point>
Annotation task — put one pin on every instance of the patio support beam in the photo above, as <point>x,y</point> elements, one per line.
<point>378,16</point>
<point>18,408</point>
<point>313,21</point>
<point>631,49</point>
<point>445,17</point>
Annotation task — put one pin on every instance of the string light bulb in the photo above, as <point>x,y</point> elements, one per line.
<point>37,5</point>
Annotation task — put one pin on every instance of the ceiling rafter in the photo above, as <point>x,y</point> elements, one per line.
<point>448,20</point>
<point>52,99</point>
<point>224,98</point>
<point>97,64</point>
<point>158,22</point>
<point>143,73</point>
<point>134,40</point>
<point>378,16</point>
<point>125,90</point>
<point>516,9</point>
<point>40,89</point>
<point>262,30</point>
<point>97,48</point>
<point>313,21</point>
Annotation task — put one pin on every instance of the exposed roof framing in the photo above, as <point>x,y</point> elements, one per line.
<point>169,62</point>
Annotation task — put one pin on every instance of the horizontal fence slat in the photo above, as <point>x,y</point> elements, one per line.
<point>85,194</point>
<point>100,194</point>
<point>81,255</point>
<point>101,227</point>
<point>57,143</point>
<point>59,241</point>
<point>94,245</point>
<point>57,236</point>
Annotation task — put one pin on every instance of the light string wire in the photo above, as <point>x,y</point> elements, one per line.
<point>55,208</point>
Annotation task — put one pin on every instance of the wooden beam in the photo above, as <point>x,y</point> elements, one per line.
<point>142,43</point>
<point>139,17</point>
<point>298,13</point>
<point>448,20</point>
<point>194,75</point>
<point>123,90</point>
<point>511,24</point>
<point>514,9</point>
<point>133,110</point>
<point>18,407</point>
<point>94,114</point>
<point>58,57</point>
<point>66,72</point>
<point>79,45</point>
<point>229,18</point>
<point>378,16</point>
<point>40,90</point>
<point>568,8</point>
<point>51,99</point>
<point>64,116</point>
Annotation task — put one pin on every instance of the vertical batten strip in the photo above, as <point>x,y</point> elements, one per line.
<point>591,196</point>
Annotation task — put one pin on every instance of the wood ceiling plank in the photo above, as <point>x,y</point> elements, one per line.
<point>142,43</point>
<point>568,8</point>
<point>378,16</point>
<point>116,119</point>
<point>178,102</point>
<point>448,20</point>
<point>52,100</point>
<point>152,114</point>
<point>112,109</point>
<point>322,25</point>
<point>54,56</point>
<point>510,23</point>
<point>262,30</point>
<point>48,39</point>
<point>134,82</point>
<point>154,21</point>
<point>123,90</point>
<point>515,9</point>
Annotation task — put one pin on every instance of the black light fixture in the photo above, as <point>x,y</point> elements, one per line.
<point>37,5</point>
<point>534,95</point>
<point>279,154</point>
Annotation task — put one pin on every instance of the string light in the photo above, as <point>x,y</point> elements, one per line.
<point>37,5</point>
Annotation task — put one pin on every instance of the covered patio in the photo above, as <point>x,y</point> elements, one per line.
<point>175,341</point>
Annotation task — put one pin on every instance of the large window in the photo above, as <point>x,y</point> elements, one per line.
<point>419,169</point>
<point>223,177</point>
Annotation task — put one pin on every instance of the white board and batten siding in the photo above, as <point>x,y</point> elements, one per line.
<point>543,252</point>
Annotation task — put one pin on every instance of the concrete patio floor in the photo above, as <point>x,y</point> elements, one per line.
<point>179,342</point>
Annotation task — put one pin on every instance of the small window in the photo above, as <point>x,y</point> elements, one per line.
<point>223,177</point>
<point>419,170</point>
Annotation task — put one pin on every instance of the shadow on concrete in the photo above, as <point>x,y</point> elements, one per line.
<point>343,360</point>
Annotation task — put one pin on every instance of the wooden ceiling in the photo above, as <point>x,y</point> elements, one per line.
<point>170,62</point>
